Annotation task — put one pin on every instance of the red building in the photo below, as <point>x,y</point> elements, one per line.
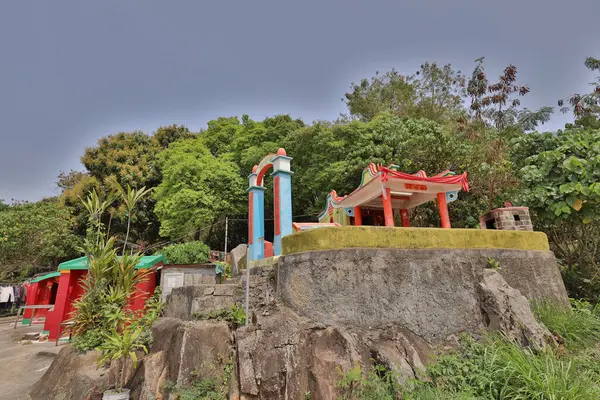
<point>69,290</point>
<point>40,291</point>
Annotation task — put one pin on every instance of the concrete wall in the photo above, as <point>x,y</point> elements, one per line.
<point>432,292</point>
<point>411,238</point>
<point>179,277</point>
<point>187,302</point>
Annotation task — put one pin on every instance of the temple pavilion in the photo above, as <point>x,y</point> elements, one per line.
<point>385,190</point>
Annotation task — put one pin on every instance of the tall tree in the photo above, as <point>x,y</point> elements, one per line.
<point>35,237</point>
<point>497,119</point>
<point>586,105</point>
<point>439,92</point>
<point>197,189</point>
<point>388,92</point>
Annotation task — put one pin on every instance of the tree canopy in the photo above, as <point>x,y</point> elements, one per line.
<point>434,119</point>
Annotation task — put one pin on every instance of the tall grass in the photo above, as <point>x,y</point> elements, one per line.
<point>578,327</point>
<point>497,368</point>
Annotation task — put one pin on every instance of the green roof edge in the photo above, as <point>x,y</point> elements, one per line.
<point>81,263</point>
<point>47,276</point>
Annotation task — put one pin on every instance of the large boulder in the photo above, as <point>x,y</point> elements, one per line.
<point>236,256</point>
<point>72,376</point>
<point>282,356</point>
<point>508,311</point>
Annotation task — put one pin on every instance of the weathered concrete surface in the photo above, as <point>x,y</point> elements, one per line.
<point>21,365</point>
<point>432,293</point>
<point>185,302</point>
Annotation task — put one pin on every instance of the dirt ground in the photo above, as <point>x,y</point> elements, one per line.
<point>21,365</point>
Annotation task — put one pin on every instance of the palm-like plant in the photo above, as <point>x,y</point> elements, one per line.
<point>119,346</point>
<point>130,199</point>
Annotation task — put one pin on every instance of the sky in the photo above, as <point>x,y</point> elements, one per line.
<point>74,71</point>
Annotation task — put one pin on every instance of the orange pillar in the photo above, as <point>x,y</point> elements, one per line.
<point>357,216</point>
<point>388,213</point>
<point>404,217</point>
<point>443,207</point>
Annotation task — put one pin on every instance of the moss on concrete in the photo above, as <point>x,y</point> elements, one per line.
<point>411,238</point>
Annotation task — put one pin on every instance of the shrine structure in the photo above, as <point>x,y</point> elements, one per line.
<point>385,189</point>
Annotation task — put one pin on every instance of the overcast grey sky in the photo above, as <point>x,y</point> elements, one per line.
<point>73,71</point>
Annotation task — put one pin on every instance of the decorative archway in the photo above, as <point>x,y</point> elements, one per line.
<point>282,199</point>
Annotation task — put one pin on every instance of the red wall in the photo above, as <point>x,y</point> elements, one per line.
<point>69,290</point>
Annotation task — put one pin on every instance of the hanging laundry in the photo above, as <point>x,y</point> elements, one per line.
<point>7,294</point>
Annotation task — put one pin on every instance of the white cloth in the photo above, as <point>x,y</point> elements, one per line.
<point>7,293</point>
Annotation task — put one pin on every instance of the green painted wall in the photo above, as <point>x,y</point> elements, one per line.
<point>411,238</point>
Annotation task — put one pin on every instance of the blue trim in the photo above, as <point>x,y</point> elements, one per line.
<point>451,196</point>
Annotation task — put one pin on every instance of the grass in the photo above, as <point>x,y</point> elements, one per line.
<point>496,368</point>
<point>578,327</point>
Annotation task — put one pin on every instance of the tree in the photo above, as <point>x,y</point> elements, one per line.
<point>560,184</point>
<point>496,119</point>
<point>497,104</point>
<point>121,160</point>
<point>197,188</point>
<point>388,92</point>
<point>439,92</point>
<point>585,105</point>
<point>37,235</point>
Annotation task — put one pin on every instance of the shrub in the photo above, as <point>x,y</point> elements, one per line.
<point>234,315</point>
<point>194,252</point>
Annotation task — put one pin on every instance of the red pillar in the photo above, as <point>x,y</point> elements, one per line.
<point>31,300</point>
<point>61,306</point>
<point>443,207</point>
<point>404,217</point>
<point>357,216</point>
<point>388,213</point>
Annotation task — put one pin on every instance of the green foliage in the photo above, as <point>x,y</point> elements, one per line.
<point>36,234</point>
<point>499,369</point>
<point>235,315</point>
<point>376,384</point>
<point>578,328</point>
<point>559,182</point>
<point>492,263</point>
<point>204,389</point>
<point>196,189</point>
<point>194,252</point>
<point>120,345</point>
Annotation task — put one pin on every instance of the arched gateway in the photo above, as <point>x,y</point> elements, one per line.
<point>282,199</point>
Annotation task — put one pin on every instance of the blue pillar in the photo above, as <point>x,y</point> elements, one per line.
<point>283,204</point>
<point>257,247</point>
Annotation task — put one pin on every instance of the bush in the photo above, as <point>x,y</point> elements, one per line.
<point>578,327</point>
<point>186,253</point>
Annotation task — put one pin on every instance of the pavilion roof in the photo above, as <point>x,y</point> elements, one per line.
<point>407,190</point>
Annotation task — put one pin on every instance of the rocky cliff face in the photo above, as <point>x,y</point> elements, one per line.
<point>317,315</point>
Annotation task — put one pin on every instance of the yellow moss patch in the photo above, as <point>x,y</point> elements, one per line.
<point>411,238</point>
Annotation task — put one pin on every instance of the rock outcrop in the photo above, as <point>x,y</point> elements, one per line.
<point>314,316</point>
<point>236,256</point>
<point>72,376</point>
<point>507,310</point>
